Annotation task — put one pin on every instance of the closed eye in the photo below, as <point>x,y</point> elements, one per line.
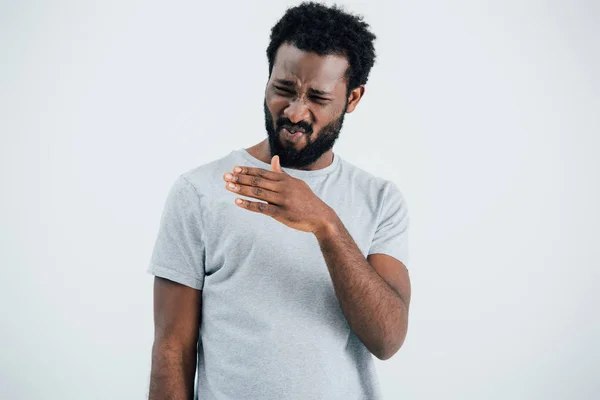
<point>282,89</point>
<point>318,99</point>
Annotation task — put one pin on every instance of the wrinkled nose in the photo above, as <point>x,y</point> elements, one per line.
<point>297,111</point>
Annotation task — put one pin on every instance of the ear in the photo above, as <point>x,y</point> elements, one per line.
<point>354,98</point>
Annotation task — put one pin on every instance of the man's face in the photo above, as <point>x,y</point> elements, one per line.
<point>306,92</point>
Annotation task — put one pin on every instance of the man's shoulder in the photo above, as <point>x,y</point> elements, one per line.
<point>362,178</point>
<point>205,177</point>
<point>376,189</point>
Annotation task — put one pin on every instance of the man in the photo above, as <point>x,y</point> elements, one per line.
<point>273,298</point>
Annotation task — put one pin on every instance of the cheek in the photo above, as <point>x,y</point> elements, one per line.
<point>322,121</point>
<point>275,104</point>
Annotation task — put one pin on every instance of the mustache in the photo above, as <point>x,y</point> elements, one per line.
<point>287,124</point>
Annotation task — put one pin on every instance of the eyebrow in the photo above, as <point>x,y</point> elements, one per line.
<point>314,91</point>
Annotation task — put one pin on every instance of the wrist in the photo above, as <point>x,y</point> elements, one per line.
<point>327,226</point>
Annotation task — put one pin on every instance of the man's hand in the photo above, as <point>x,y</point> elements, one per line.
<point>290,200</point>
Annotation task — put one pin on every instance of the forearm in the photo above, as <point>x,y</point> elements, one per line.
<point>374,311</point>
<point>173,371</point>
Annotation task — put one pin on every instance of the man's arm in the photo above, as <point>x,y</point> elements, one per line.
<point>177,317</point>
<point>374,297</point>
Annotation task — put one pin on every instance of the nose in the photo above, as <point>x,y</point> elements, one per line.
<point>297,111</point>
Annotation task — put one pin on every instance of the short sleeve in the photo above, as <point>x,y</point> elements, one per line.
<point>391,235</point>
<point>178,253</point>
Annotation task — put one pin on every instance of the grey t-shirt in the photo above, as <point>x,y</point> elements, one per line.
<point>272,326</point>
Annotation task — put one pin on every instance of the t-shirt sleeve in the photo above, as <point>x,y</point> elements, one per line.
<point>391,235</point>
<point>178,253</point>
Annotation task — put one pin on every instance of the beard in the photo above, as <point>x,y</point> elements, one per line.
<point>289,157</point>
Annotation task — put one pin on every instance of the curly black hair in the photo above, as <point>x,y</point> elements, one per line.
<point>324,30</point>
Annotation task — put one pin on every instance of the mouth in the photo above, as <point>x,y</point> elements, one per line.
<point>294,130</point>
<point>292,136</point>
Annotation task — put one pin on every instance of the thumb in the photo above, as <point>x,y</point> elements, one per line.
<point>275,166</point>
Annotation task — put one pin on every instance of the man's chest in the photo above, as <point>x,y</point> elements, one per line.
<point>232,234</point>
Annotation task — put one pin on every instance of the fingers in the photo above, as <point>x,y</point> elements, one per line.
<point>254,191</point>
<point>264,173</point>
<point>253,180</point>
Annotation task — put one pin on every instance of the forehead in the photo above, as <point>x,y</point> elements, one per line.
<point>308,68</point>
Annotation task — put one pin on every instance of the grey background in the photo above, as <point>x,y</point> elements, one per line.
<point>485,114</point>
